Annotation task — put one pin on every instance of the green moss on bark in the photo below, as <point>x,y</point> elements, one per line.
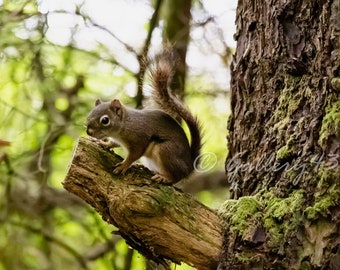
<point>330,123</point>
<point>328,195</point>
<point>284,152</point>
<point>278,216</point>
<point>282,216</point>
<point>241,215</point>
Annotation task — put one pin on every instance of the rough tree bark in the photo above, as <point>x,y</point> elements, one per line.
<point>284,137</point>
<point>159,221</point>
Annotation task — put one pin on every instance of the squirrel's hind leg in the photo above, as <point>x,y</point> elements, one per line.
<point>161,179</point>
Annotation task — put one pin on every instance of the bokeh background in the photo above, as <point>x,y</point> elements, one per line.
<point>56,58</point>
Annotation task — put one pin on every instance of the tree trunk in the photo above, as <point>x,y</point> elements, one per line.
<point>177,33</point>
<point>160,221</point>
<point>284,137</point>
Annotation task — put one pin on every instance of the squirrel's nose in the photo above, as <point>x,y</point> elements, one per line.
<point>89,131</point>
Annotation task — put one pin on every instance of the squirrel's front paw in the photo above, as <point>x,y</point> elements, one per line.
<point>120,168</point>
<point>107,143</point>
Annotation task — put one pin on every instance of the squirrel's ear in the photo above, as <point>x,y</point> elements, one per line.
<point>98,101</point>
<point>116,107</point>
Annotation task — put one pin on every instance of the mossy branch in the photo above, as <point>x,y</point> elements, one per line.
<point>159,221</point>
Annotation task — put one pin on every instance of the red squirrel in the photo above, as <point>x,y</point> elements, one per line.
<point>154,134</point>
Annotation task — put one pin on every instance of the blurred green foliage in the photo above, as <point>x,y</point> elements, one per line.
<point>46,92</point>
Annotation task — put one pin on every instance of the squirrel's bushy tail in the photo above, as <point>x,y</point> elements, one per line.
<point>162,71</point>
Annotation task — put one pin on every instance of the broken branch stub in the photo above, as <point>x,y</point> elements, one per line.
<point>159,221</point>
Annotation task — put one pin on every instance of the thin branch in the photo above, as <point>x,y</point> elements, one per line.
<point>128,259</point>
<point>101,249</point>
<point>22,112</point>
<point>127,46</point>
<point>143,55</point>
<point>55,240</point>
<point>90,23</point>
<point>97,56</point>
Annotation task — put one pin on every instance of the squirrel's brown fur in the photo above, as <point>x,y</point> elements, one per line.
<point>154,134</point>
<point>161,73</point>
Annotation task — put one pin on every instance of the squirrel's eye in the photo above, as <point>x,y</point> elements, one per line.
<point>105,120</point>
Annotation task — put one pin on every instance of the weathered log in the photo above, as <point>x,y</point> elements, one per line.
<point>159,221</point>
